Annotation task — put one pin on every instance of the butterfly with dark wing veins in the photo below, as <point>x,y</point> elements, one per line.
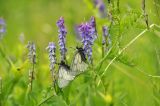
<point>79,62</point>
<point>64,76</point>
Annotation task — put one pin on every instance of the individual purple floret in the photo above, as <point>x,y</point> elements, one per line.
<point>62,38</point>
<point>2,28</point>
<point>52,54</point>
<point>93,25</point>
<point>86,31</point>
<point>32,52</point>
<point>106,37</point>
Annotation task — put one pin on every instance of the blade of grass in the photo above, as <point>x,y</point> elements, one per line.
<point>46,100</point>
<point>145,73</point>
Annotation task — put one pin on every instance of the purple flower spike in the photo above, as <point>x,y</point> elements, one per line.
<point>32,52</point>
<point>106,37</point>
<point>62,37</point>
<point>93,25</point>
<point>52,54</point>
<point>87,33</point>
<point>2,28</point>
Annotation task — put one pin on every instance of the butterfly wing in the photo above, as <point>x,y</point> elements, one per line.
<point>78,64</point>
<point>64,77</point>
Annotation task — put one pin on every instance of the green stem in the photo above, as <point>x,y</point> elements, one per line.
<point>46,100</point>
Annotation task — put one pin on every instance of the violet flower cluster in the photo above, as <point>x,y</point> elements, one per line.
<point>2,28</point>
<point>62,38</point>
<point>32,57</point>
<point>93,25</point>
<point>52,55</point>
<point>88,32</point>
<point>32,52</point>
<point>106,40</point>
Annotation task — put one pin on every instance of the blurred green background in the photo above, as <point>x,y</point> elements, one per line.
<point>127,82</point>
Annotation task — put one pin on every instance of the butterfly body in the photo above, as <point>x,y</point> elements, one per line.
<point>81,52</point>
<point>79,62</point>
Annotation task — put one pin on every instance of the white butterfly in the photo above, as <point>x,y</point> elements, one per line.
<point>79,62</point>
<point>64,75</point>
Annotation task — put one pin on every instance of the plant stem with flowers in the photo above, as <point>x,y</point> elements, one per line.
<point>88,34</point>
<point>52,58</point>
<point>62,38</point>
<point>32,57</point>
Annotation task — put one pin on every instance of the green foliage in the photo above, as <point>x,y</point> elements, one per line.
<point>127,75</point>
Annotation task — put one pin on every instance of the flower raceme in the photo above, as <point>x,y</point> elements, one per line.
<point>106,41</point>
<point>93,25</point>
<point>32,52</point>
<point>52,54</point>
<point>32,57</point>
<point>52,58</point>
<point>87,32</point>
<point>105,34</point>
<point>62,38</point>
